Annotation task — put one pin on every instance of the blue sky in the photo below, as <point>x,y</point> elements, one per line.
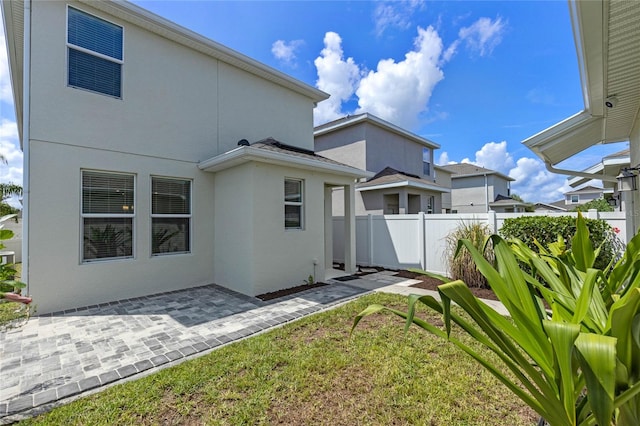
<point>475,77</point>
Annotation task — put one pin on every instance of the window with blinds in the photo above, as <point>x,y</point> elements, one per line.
<point>293,204</point>
<point>170,215</point>
<point>95,53</point>
<point>108,205</point>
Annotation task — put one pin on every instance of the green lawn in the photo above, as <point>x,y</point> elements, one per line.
<point>12,311</point>
<point>310,372</point>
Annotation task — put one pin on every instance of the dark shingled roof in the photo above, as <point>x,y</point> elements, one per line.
<point>468,169</point>
<point>391,175</point>
<point>270,144</point>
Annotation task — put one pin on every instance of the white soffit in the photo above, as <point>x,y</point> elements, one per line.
<point>607,36</point>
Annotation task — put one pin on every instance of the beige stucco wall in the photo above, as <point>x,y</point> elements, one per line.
<point>176,103</point>
<point>265,255</point>
<point>57,277</point>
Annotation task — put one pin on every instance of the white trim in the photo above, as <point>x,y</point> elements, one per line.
<point>295,203</point>
<point>245,154</point>
<point>407,183</point>
<point>25,133</point>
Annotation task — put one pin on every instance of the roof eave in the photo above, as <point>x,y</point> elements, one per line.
<point>246,154</point>
<point>406,183</point>
<point>366,117</point>
<point>14,10</point>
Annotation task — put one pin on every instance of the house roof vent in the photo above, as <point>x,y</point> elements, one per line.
<point>243,142</point>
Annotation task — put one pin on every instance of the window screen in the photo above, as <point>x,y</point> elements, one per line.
<point>293,204</point>
<point>95,53</point>
<point>170,215</point>
<point>107,215</point>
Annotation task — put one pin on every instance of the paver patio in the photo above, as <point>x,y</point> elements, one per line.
<point>67,354</point>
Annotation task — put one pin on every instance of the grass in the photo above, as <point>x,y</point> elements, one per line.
<point>11,312</point>
<point>311,372</point>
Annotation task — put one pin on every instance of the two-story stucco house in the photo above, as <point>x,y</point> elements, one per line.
<point>402,178</point>
<point>156,159</point>
<point>476,189</point>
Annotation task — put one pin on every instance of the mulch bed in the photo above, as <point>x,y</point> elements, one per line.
<point>288,291</point>
<point>426,283</point>
<point>430,283</point>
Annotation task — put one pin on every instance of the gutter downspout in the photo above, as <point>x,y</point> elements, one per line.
<point>486,192</point>
<point>26,107</point>
<point>605,178</point>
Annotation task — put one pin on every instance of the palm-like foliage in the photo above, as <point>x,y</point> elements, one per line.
<point>575,364</point>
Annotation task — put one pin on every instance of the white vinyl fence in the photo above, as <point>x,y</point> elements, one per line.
<point>418,240</point>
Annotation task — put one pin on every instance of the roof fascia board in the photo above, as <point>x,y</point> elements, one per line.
<point>366,117</point>
<point>172,31</point>
<point>245,154</point>
<point>15,52</point>
<point>406,183</point>
<point>492,172</point>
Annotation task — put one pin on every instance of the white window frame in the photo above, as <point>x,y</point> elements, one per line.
<point>93,53</point>
<point>84,216</point>
<point>295,203</point>
<point>176,216</point>
<point>577,198</point>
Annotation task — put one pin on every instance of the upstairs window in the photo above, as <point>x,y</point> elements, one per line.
<point>170,215</point>
<point>293,204</point>
<point>94,53</point>
<point>575,199</point>
<point>426,161</point>
<point>107,215</point>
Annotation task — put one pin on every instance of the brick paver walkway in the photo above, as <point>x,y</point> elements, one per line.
<point>65,354</point>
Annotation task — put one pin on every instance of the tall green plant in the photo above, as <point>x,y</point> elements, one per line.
<point>461,264</point>
<point>577,363</point>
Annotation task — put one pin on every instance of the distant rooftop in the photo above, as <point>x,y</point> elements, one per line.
<point>467,169</point>
<point>351,120</point>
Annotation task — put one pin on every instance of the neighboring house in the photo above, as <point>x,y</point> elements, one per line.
<point>556,206</point>
<point>138,175</point>
<point>607,36</point>
<point>475,189</point>
<point>583,195</point>
<point>611,165</point>
<point>402,179</point>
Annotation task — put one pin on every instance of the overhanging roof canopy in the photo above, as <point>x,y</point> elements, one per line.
<point>272,152</point>
<point>607,36</point>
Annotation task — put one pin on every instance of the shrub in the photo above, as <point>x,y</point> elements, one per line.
<point>461,264</point>
<point>545,229</point>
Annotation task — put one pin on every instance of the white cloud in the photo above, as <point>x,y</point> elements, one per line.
<point>395,14</point>
<point>495,156</point>
<point>400,91</point>
<point>5,82</point>
<point>443,159</point>
<point>483,35</point>
<point>533,182</point>
<point>336,76</point>
<point>286,52</point>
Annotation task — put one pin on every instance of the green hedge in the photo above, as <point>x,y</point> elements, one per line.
<point>546,229</point>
